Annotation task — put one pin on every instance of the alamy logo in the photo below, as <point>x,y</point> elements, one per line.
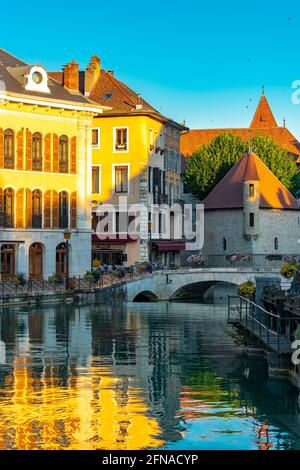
<point>159,222</point>
<point>296,353</point>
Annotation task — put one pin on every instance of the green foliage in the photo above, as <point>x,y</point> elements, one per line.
<point>92,276</point>
<point>289,269</point>
<point>247,289</point>
<point>211,162</point>
<point>20,279</point>
<point>56,279</point>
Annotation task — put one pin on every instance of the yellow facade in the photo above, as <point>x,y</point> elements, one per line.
<point>137,156</point>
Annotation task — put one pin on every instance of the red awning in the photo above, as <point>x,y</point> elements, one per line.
<point>116,241</point>
<point>169,245</point>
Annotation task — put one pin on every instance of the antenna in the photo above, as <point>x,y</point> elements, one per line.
<point>263,90</point>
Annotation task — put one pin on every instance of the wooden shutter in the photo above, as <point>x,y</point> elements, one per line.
<point>20,208</point>
<point>1,148</point>
<point>1,207</point>
<point>47,150</point>
<point>55,202</point>
<point>47,209</point>
<point>28,150</point>
<point>28,208</point>
<point>73,207</point>
<point>55,153</point>
<point>73,155</point>
<point>20,150</point>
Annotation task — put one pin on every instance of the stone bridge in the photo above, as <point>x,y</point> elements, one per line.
<point>189,283</point>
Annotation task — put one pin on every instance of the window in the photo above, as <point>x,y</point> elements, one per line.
<point>63,154</point>
<point>96,138</point>
<point>251,190</point>
<point>96,180</point>
<point>37,155</point>
<point>224,243</point>
<point>63,210</point>
<point>275,243</point>
<point>9,208</point>
<point>121,179</point>
<point>151,139</point>
<point>121,139</point>
<point>36,209</point>
<point>9,149</point>
<point>251,219</point>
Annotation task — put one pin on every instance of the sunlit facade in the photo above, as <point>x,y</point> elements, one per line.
<point>45,172</point>
<point>136,155</point>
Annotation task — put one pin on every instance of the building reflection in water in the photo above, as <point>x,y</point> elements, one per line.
<point>99,377</point>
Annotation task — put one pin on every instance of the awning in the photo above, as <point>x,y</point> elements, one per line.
<point>169,245</point>
<point>12,242</point>
<point>119,240</point>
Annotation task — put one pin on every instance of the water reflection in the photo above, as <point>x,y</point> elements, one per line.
<point>150,375</point>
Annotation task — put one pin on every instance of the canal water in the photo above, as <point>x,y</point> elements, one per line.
<point>152,375</point>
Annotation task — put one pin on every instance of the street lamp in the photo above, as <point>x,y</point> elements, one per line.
<point>67,236</point>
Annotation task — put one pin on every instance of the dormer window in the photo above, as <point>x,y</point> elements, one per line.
<point>37,80</point>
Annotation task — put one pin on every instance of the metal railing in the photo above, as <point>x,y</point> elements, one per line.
<point>275,331</point>
<point>254,262</point>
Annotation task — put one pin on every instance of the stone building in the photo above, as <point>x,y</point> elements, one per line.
<point>45,172</point>
<point>251,212</point>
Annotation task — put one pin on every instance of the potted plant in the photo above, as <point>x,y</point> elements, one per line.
<point>56,279</point>
<point>289,268</point>
<point>247,289</point>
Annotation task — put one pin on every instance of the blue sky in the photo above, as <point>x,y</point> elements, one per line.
<point>203,61</point>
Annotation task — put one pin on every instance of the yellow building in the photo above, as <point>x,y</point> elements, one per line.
<point>136,158</point>
<point>45,171</point>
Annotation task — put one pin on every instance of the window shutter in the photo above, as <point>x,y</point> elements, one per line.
<point>20,150</point>
<point>47,150</point>
<point>28,208</point>
<point>1,148</point>
<point>20,208</point>
<point>55,202</point>
<point>28,150</point>
<point>73,155</point>
<point>73,204</point>
<point>55,153</point>
<point>1,207</point>
<point>47,209</point>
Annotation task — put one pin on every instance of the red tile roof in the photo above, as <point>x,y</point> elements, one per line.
<point>228,194</point>
<point>263,123</point>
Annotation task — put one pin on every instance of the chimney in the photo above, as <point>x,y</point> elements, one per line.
<point>92,74</point>
<point>71,76</point>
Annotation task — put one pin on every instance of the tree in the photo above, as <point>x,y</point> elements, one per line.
<point>211,162</point>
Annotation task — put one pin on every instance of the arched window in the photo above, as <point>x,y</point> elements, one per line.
<point>224,243</point>
<point>9,149</point>
<point>63,210</point>
<point>275,243</point>
<point>63,154</point>
<point>36,209</point>
<point>9,208</point>
<point>37,152</point>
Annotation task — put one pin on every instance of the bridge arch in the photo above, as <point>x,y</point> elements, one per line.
<point>200,288</point>
<point>145,296</point>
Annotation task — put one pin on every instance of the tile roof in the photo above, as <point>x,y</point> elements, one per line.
<point>263,123</point>
<point>110,91</point>
<point>228,193</point>
<point>9,66</point>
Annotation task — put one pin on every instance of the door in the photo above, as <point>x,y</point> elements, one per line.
<point>36,261</point>
<point>61,260</point>
<point>7,261</point>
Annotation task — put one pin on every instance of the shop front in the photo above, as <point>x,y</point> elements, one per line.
<point>167,252</point>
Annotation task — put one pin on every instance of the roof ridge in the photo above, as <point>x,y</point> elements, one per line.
<point>14,56</point>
